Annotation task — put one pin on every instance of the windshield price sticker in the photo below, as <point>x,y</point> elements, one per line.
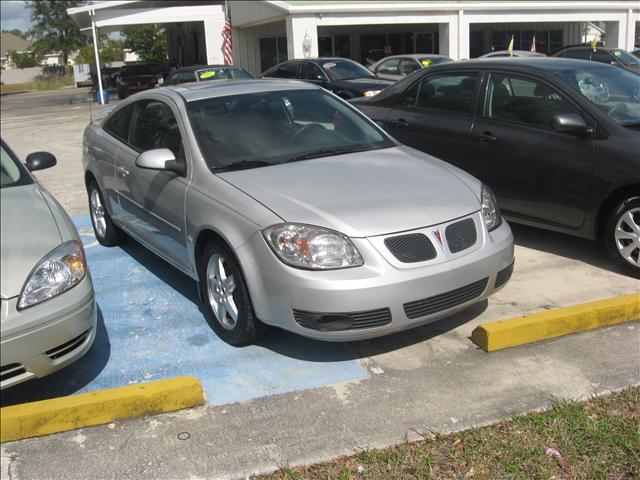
<point>426,62</point>
<point>209,74</point>
<point>328,66</point>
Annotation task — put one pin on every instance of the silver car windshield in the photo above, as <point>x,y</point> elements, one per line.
<point>613,90</point>
<point>270,128</point>
<point>12,173</point>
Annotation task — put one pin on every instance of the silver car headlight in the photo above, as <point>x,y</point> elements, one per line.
<point>60,270</point>
<point>371,93</point>
<point>490,210</point>
<point>310,247</point>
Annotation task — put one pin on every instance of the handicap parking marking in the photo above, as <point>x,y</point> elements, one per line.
<point>151,326</point>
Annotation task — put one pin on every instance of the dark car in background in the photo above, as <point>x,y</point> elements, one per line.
<point>557,140</point>
<point>611,56</point>
<point>399,66</point>
<point>136,77</point>
<point>344,77</point>
<point>199,73</point>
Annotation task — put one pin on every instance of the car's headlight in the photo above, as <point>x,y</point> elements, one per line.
<point>371,93</point>
<point>313,248</point>
<point>490,210</point>
<point>60,270</point>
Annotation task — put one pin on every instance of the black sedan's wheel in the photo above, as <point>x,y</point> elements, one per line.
<point>622,236</point>
<point>105,231</point>
<point>227,298</point>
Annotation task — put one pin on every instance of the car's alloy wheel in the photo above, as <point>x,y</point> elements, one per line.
<point>105,231</point>
<point>220,288</point>
<point>226,296</point>
<point>623,236</point>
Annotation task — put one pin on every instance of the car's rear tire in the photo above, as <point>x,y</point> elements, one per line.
<point>622,235</point>
<point>104,229</point>
<point>226,297</point>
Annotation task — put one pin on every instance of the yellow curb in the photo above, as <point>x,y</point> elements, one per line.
<point>556,323</point>
<point>96,408</point>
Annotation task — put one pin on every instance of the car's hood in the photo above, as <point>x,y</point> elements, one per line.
<point>28,232</point>
<point>360,194</point>
<point>362,84</point>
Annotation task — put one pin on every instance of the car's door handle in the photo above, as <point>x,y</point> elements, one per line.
<point>401,123</point>
<point>486,137</point>
<point>123,172</point>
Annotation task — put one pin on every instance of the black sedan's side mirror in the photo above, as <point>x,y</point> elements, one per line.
<point>40,161</point>
<point>570,123</point>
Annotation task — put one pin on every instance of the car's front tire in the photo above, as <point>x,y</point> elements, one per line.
<point>622,235</point>
<point>226,297</point>
<point>104,229</point>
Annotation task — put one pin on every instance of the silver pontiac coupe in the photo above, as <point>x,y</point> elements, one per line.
<point>292,209</point>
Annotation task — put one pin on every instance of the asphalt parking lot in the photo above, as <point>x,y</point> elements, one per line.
<point>290,400</point>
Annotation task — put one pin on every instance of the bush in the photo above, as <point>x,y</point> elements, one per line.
<point>52,71</point>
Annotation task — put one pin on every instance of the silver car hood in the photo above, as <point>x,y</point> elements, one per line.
<point>28,232</point>
<point>360,194</point>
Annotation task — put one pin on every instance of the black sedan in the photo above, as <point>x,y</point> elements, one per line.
<point>342,76</point>
<point>557,140</point>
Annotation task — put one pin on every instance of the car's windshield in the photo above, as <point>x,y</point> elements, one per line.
<point>12,173</point>
<point>269,128</point>
<point>344,70</point>
<point>613,90</point>
<point>222,73</point>
<point>429,61</point>
<point>626,58</point>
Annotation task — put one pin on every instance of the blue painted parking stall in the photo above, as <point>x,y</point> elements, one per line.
<point>151,326</point>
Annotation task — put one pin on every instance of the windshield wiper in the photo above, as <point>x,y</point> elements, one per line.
<point>327,152</point>
<point>243,165</point>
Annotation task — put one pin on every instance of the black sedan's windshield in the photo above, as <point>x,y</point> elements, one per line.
<point>613,90</point>
<point>269,128</point>
<point>344,70</point>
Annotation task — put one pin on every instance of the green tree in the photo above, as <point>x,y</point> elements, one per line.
<point>148,41</point>
<point>23,60</point>
<point>53,30</point>
<point>110,50</point>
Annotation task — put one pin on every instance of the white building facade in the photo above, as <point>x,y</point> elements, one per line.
<point>268,31</point>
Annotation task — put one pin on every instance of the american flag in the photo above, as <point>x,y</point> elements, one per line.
<point>226,42</point>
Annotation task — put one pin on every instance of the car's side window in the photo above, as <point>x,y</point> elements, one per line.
<point>388,67</point>
<point>525,100</point>
<point>453,92</point>
<point>285,70</point>
<point>602,57</point>
<point>310,71</point>
<point>577,53</point>
<point>408,65</point>
<point>118,123</point>
<point>155,126</point>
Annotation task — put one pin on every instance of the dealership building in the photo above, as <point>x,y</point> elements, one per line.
<point>268,31</point>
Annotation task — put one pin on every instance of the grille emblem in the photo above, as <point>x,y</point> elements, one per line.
<point>438,236</point>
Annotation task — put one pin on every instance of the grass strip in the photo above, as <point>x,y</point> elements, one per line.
<point>595,439</point>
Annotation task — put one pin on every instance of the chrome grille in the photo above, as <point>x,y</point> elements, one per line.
<point>444,301</point>
<point>461,235</point>
<point>411,248</point>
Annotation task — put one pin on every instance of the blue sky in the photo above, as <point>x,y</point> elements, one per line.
<point>14,14</point>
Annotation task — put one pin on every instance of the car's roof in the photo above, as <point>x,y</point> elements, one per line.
<point>413,55</point>
<point>536,63</point>
<point>522,53</point>
<point>221,88</point>
<point>194,68</point>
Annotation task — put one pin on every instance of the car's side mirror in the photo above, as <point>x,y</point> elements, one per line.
<point>160,159</point>
<point>40,161</point>
<point>570,123</point>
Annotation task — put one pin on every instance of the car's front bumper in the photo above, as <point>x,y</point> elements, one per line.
<point>277,290</point>
<point>44,338</point>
